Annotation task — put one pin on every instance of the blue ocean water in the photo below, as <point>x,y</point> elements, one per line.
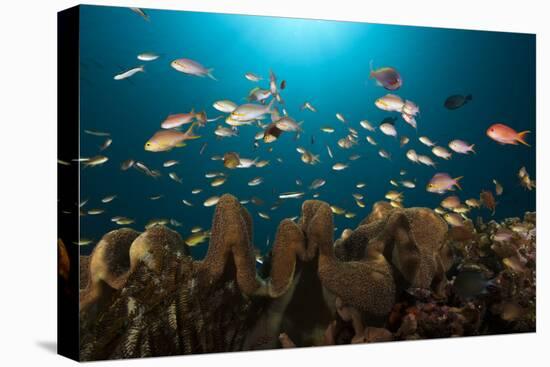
<point>324,62</point>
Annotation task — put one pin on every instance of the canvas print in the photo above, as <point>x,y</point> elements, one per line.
<point>245,182</point>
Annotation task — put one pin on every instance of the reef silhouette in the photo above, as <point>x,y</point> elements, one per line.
<point>397,276</point>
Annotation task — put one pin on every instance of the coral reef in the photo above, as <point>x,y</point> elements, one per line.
<point>400,275</point>
<point>162,308</point>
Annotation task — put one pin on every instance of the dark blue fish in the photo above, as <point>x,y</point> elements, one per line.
<point>469,284</point>
<point>457,101</point>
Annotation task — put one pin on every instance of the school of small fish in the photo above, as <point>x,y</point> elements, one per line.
<point>264,110</point>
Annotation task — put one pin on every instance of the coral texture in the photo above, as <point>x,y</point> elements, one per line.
<point>401,274</point>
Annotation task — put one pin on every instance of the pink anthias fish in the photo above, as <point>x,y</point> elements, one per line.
<point>165,140</point>
<point>394,103</point>
<point>386,77</point>
<point>504,134</point>
<point>388,129</point>
<point>460,146</point>
<point>425,160</point>
<point>272,83</point>
<point>443,182</point>
<point>178,119</point>
<point>410,108</point>
<point>409,112</point>
<point>503,235</point>
<point>390,103</point>
<point>450,202</point>
<point>191,67</point>
<point>409,119</point>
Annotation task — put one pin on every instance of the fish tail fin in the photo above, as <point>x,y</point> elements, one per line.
<point>472,148</point>
<point>192,111</point>
<point>469,97</point>
<point>456,182</point>
<point>371,67</point>
<point>521,137</point>
<point>190,134</point>
<point>142,68</point>
<point>210,75</point>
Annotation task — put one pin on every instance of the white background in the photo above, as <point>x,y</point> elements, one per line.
<point>28,182</point>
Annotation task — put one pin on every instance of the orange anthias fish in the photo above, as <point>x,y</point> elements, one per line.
<point>488,200</point>
<point>165,140</point>
<point>506,135</point>
<point>176,120</point>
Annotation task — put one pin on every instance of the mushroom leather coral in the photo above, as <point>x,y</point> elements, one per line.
<point>150,298</point>
<point>392,250</point>
<point>369,284</point>
<point>109,265</point>
<point>231,242</point>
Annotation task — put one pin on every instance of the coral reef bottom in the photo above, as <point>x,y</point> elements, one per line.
<point>402,274</point>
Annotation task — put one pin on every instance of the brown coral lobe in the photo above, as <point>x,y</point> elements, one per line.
<point>385,280</point>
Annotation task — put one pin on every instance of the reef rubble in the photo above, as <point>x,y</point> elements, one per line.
<point>402,274</point>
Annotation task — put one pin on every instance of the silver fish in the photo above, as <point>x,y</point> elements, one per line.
<point>317,184</point>
<point>128,73</point>
<point>141,13</point>
<point>174,176</point>
<point>97,133</point>
<point>291,195</point>
<point>329,151</point>
<point>147,56</point>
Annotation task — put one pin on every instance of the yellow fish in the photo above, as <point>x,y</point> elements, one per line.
<point>197,238</point>
<point>165,140</point>
<point>337,210</point>
<point>218,181</point>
